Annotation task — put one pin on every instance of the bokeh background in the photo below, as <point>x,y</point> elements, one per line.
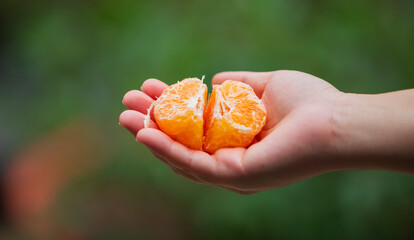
<point>69,171</point>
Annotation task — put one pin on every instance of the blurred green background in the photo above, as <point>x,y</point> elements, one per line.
<point>71,172</point>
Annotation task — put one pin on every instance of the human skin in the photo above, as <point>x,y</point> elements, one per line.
<point>312,128</point>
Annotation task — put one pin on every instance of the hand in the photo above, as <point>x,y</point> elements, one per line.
<point>297,141</point>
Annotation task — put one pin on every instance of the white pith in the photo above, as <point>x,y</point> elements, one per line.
<point>220,103</point>
<point>190,103</point>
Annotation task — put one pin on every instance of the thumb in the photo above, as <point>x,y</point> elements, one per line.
<point>257,80</point>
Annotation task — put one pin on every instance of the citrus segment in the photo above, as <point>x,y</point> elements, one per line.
<point>234,116</point>
<point>179,112</point>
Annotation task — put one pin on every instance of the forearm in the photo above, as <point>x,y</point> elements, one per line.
<point>376,131</point>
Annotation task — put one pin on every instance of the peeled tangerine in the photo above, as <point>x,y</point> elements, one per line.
<point>233,117</point>
<point>179,112</point>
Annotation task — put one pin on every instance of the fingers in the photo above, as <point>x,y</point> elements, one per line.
<point>133,121</point>
<point>199,163</point>
<point>230,163</point>
<point>141,101</point>
<point>137,100</point>
<point>153,87</point>
<point>178,171</point>
<point>257,80</point>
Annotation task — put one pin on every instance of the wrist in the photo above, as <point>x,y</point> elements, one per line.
<point>349,136</point>
<point>372,132</point>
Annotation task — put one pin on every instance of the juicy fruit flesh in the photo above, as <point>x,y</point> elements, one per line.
<point>179,112</point>
<point>233,117</point>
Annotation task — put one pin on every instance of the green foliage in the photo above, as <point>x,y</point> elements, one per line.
<point>70,58</point>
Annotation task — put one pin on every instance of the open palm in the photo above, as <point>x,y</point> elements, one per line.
<point>298,132</point>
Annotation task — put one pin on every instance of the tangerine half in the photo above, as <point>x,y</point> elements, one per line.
<point>234,116</point>
<point>179,112</point>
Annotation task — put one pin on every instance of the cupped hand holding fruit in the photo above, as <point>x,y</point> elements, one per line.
<point>293,144</point>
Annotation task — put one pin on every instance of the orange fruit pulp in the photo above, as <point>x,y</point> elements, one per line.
<point>233,117</point>
<point>179,112</point>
